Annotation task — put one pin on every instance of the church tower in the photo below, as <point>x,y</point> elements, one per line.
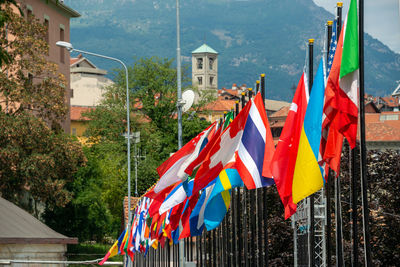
<point>205,68</point>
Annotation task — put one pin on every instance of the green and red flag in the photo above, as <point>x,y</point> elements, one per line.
<point>341,94</point>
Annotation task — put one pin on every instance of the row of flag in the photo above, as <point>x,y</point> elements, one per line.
<point>195,183</point>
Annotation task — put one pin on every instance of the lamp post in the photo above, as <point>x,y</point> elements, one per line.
<point>179,106</point>
<point>70,49</point>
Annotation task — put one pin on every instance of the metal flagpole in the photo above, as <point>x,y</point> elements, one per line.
<point>330,177</point>
<point>354,197</point>
<point>338,210</point>
<point>311,198</point>
<point>179,106</point>
<point>264,193</point>
<point>363,159</point>
<point>244,241</point>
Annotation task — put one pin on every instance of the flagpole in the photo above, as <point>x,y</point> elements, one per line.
<point>257,87</point>
<point>311,198</point>
<point>363,159</point>
<point>263,87</point>
<point>245,230</point>
<point>179,106</point>
<point>338,213</point>
<point>330,177</point>
<point>238,209</point>
<point>354,198</point>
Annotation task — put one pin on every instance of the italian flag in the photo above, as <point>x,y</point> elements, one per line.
<point>341,94</point>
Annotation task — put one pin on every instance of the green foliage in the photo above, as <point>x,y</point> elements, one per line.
<point>87,215</point>
<point>30,82</point>
<point>5,18</point>
<point>37,160</point>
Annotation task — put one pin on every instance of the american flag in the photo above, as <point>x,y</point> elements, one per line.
<point>325,122</point>
<point>332,49</point>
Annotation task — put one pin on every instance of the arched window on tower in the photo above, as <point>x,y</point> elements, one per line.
<point>211,62</point>
<point>199,63</point>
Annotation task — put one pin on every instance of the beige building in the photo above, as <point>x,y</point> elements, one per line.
<point>87,87</point>
<point>87,82</point>
<point>205,68</point>
<point>56,16</point>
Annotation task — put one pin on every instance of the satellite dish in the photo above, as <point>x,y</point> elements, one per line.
<point>187,100</point>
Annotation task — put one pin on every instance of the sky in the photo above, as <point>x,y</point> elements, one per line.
<point>381,18</point>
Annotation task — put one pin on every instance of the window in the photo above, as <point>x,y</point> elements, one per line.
<point>211,62</point>
<point>29,10</point>
<point>199,63</point>
<point>46,24</point>
<point>72,93</point>
<point>276,132</point>
<point>389,117</point>
<point>30,78</point>
<point>29,15</point>
<point>200,80</point>
<point>211,80</point>
<point>62,52</point>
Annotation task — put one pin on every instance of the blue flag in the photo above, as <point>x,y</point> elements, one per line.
<point>220,197</point>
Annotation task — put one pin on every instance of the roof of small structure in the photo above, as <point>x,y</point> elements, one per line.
<point>275,105</point>
<point>204,49</point>
<point>19,227</point>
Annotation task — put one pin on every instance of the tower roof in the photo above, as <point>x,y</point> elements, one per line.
<point>204,49</point>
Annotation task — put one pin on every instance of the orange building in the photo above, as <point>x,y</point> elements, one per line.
<point>56,16</point>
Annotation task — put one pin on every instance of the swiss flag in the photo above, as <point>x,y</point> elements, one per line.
<point>222,151</point>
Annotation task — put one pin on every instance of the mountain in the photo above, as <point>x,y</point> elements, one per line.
<point>251,37</point>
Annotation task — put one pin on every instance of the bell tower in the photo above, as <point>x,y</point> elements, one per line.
<point>205,68</point>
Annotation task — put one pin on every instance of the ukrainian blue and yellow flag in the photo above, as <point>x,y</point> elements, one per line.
<point>307,177</point>
<point>220,198</point>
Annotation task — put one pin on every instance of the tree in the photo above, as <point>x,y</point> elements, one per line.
<point>384,204</point>
<point>86,216</point>
<point>29,82</point>
<point>37,160</point>
<point>5,57</point>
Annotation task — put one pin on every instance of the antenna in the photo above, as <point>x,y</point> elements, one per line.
<point>187,100</point>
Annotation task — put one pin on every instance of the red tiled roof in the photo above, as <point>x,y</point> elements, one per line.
<point>391,101</point>
<point>76,113</point>
<point>283,112</point>
<point>75,59</point>
<point>221,105</point>
<point>231,91</point>
<point>382,130</point>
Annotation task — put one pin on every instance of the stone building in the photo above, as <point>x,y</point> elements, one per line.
<point>205,68</point>
<point>23,237</point>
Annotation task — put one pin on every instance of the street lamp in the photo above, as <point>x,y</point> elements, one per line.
<point>70,49</point>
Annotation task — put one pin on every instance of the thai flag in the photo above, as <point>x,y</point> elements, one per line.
<point>255,148</point>
<point>247,149</point>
